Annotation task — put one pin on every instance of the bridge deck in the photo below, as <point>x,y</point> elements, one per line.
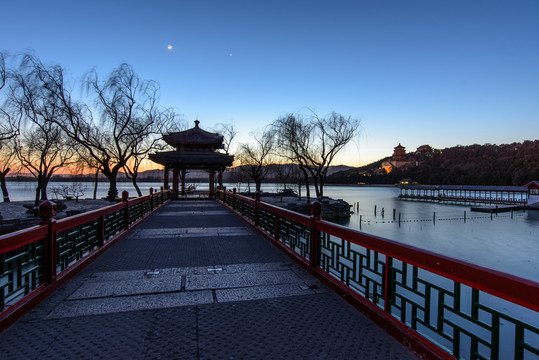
<point>195,282</point>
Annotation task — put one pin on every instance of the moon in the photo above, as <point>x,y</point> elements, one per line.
<point>169,47</point>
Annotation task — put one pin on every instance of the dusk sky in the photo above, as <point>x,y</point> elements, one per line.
<point>432,72</point>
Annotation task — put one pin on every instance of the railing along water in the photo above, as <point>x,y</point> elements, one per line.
<point>36,261</point>
<point>439,307</point>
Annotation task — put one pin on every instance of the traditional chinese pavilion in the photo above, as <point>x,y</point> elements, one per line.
<point>195,149</point>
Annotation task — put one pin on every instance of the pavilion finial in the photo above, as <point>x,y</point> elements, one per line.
<point>196,123</point>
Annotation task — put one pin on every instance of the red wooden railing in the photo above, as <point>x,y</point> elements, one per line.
<point>437,306</point>
<point>36,261</point>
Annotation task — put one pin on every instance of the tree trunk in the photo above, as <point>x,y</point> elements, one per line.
<point>111,176</point>
<point>96,181</point>
<point>307,188</point>
<point>113,190</point>
<point>258,184</point>
<point>38,191</point>
<point>135,185</point>
<point>44,184</point>
<point>3,184</point>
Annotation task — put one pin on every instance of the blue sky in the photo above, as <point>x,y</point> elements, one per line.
<point>432,72</point>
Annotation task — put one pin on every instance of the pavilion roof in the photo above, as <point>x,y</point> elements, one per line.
<point>194,137</point>
<point>192,159</point>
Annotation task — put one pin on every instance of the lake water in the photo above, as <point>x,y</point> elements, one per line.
<point>505,243</point>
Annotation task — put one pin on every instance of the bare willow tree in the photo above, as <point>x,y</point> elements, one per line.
<point>7,159</point>
<point>9,122</point>
<point>42,148</point>
<point>9,129</point>
<point>111,140</point>
<point>255,158</point>
<point>313,142</point>
<point>163,121</point>
<point>228,131</point>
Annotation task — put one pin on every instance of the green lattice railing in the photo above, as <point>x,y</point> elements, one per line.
<point>448,307</point>
<point>33,260</point>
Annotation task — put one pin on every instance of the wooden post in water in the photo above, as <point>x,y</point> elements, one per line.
<point>394,214</point>
<point>399,219</point>
<point>434,218</point>
<point>360,220</point>
<point>464,215</point>
<point>374,210</point>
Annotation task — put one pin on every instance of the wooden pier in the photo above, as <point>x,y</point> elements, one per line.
<point>498,208</point>
<point>503,195</point>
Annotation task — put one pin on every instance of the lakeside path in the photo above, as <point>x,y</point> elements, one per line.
<point>193,281</point>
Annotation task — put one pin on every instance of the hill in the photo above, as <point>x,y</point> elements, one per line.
<point>504,165</point>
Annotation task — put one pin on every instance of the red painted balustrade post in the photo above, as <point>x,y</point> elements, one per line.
<point>125,196</point>
<point>47,212</point>
<point>257,200</point>
<point>233,198</point>
<point>162,199</point>
<point>151,199</point>
<point>316,212</point>
<point>101,230</point>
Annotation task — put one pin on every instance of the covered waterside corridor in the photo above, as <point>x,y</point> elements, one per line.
<point>508,195</point>
<point>193,281</point>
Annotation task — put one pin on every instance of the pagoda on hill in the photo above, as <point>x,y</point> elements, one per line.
<point>195,149</point>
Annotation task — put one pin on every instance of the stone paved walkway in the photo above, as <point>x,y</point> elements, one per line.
<point>195,282</point>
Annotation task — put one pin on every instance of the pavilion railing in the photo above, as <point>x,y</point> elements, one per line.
<point>36,261</point>
<point>440,307</point>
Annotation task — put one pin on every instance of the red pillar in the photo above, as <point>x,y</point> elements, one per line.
<point>183,181</point>
<point>220,177</point>
<point>212,176</point>
<point>175,181</point>
<point>165,181</point>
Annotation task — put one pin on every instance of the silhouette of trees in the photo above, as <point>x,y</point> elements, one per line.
<point>162,121</point>
<point>42,148</point>
<point>312,142</point>
<point>127,107</point>
<point>9,123</point>
<point>228,131</point>
<point>255,158</point>
<point>7,159</point>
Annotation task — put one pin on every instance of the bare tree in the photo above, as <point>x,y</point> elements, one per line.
<point>313,142</point>
<point>43,148</point>
<point>9,122</point>
<point>283,171</point>
<point>9,129</point>
<point>228,132</point>
<point>7,158</point>
<point>255,158</point>
<point>163,121</point>
<point>111,141</point>
<point>42,151</point>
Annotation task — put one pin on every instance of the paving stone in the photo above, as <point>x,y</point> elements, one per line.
<point>223,281</point>
<point>97,289</point>
<point>153,334</point>
<point>301,327</point>
<point>187,232</point>
<point>129,303</point>
<point>262,292</point>
<point>194,213</point>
